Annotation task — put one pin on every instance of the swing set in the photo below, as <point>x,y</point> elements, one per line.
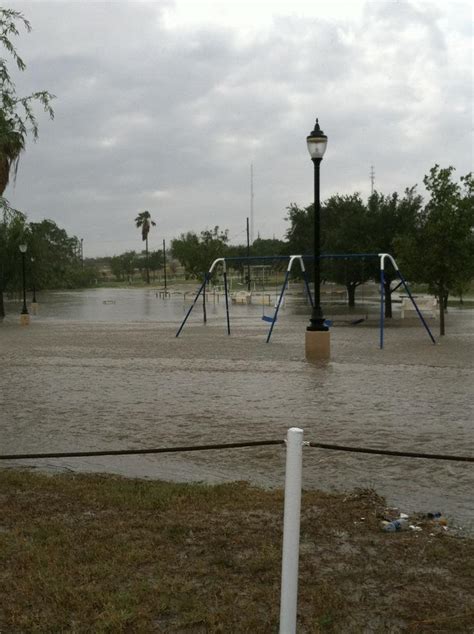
<point>383,257</point>
<point>266,294</point>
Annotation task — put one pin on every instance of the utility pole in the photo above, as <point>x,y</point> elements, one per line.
<point>251,204</point>
<point>164,262</point>
<point>372,180</point>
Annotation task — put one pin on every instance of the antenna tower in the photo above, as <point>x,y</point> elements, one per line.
<point>372,179</point>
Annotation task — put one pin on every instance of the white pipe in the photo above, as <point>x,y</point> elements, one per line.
<point>290,262</point>
<point>292,259</point>
<point>291,531</point>
<point>215,263</point>
<point>382,257</point>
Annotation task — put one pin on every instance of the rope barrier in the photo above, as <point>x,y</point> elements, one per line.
<point>136,452</point>
<point>233,445</point>
<point>388,452</point>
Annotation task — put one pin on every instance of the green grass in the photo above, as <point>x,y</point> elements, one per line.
<point>92,553</point>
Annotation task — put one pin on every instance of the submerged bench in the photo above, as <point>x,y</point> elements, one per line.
<point>426,303</point>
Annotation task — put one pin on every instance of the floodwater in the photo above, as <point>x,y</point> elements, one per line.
<point>102,369</point>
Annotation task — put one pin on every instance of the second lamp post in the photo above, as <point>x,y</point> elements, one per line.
<point>34,303</point>
<point>24,316</point>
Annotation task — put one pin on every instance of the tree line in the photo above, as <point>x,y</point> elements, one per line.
<point>52,260</point>
<point>432,241</point>
<point>125,266</point>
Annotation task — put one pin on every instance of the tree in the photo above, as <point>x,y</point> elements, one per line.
<point>51,258</point>
<point>123,266</point>
<point>156,260</point>
<point>269,247</point>
<point>238,265</point>
<point>346,231</point>
<point>301,230</point>
<point>12,231</point>
<point>440,251</point>
<point>260,247</point>
<point>144,221</point>
<point>300,233</point>
<point>390,219</point>
<point>17,117</point>
<point>196,253</point>
<point>57,262</point>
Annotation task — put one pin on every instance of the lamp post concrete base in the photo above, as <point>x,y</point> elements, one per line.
<point>317,345</point>
<point>24,320</point>
<point>34,308</point>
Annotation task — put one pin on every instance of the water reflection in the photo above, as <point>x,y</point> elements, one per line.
<point>105,305</point>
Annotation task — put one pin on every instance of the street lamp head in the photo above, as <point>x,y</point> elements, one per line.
<point>23,248</point>
<point>317,142</point>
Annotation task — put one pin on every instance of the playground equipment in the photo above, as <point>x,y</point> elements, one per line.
<point>383,257</point>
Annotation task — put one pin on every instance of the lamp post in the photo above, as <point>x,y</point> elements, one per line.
<point>24,316</point>
<point>34,303</point>
<point>317,335</point>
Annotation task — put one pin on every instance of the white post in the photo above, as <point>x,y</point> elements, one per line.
<point>291,531</point>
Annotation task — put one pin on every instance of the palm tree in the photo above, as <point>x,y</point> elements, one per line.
<point>144,221</point>
<point>12,143</point>
<point>17,119</point>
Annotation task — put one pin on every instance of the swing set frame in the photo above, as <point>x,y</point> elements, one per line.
<point>383,257</point>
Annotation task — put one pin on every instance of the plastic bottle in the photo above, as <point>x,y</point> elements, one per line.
<point>395,525</point>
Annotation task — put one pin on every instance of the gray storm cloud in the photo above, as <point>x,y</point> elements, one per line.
<point>169,120</point>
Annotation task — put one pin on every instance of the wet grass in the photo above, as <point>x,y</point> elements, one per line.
<point>82,553</point>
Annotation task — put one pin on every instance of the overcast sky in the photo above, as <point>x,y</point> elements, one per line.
<point>165,105</point>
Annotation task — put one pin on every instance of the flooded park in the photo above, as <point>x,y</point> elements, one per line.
<point>102,369</point>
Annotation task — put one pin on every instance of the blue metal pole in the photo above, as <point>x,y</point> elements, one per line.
<point>204,312</point>
<point>416,307</point>
<point>382,297</point>
<point>256,257</point>
<point>306,257</point>
<point>226,302</point>
<point>278,305</point>
<point>337,256</point>
<point>193,304</point>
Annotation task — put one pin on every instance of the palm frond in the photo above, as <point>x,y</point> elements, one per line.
<point>144,221</point>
